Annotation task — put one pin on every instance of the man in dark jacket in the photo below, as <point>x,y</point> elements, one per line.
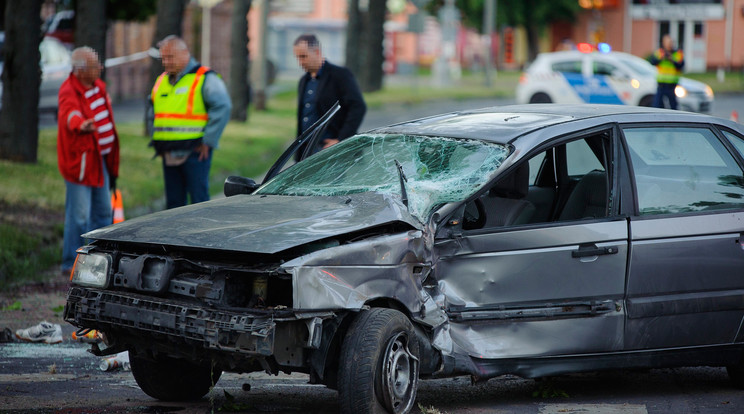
<point>323,85</point>
<point>87,151</point>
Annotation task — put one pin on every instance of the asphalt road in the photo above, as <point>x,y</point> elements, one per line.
<point>64,378</point>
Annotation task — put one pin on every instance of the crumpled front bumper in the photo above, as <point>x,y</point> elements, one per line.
<point>250,332</point>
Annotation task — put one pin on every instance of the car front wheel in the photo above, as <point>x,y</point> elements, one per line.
<point>378,367</point>
<point>171,379</point>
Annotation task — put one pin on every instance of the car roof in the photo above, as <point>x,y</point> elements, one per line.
<point>577,54</point>
<point>503,124</point>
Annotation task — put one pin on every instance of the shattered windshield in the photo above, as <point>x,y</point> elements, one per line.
<point>438,170</point>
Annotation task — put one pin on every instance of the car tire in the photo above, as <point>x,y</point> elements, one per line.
<point>736,374</point>
<point>171,379</point>
<point>540,97</point>
<point>378,366</point>
<point>647,100</point>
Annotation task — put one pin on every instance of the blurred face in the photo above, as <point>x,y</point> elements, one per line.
<point>174,59</point>
<point>309,58</point>
<point>666,42</point>
<point>91,71</point>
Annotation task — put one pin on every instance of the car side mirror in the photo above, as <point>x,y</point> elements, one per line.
<point>235,185</point>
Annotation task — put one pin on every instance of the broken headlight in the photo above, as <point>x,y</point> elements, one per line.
<point>91,270</point>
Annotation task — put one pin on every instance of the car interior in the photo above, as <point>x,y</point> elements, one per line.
<point>568,181</point>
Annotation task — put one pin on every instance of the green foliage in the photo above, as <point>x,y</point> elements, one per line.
<point>231,405</point>
<point>15,306</point>
<point>428,410</point>
<point>24,256</point>
<point>130,10</point>
<point>548,389</point>
<point>513,12</point>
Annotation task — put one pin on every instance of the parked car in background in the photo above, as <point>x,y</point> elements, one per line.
<point>607,78</point>
<point>61,26</point>
<point>56,66</point>
<point>532,240</point>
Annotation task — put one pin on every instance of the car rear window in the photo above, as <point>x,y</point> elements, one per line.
<point>679,170</point>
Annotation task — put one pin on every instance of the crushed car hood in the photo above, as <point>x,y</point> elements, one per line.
<point>259,223</point>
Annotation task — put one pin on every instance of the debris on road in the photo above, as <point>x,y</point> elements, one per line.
<point>49,333</point>
<point>118,361</point>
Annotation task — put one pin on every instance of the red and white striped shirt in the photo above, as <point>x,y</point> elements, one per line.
<point>103,121</point>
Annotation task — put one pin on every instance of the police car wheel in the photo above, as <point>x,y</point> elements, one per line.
<point>540,98</point>
<point>647,100</point>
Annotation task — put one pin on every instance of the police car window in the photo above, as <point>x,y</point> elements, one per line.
<point>681,170</point>
<point>572,66</point>
<point>603,68</point>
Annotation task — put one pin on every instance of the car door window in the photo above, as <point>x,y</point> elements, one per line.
<point>571,66</point>
<point>580,159</point>
<point>681,170</point>
<point>565,182</point>
<point>604,68</point>
<point>737,141</point>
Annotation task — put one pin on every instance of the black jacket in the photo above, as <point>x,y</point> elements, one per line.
<point>336,83</point>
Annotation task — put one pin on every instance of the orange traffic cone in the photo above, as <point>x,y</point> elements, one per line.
<point>117,206</point>
<point>734,116</point>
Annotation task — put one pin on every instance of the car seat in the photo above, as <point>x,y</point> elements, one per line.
<point>505,203</point>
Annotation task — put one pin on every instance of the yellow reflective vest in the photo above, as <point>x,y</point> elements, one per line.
<point>180,113</point>
<point>668,72</point>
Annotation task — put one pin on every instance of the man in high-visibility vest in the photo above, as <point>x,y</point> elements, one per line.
<point>669,62</point>
<point>191,107</point>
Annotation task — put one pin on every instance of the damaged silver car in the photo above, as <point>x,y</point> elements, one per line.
<point>531,240</point>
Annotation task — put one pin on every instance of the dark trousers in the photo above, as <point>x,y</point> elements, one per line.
<point>190,178</point>
<point>662,90</point>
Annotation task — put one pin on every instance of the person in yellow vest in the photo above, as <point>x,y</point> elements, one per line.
<point>190,108</point>
<point>669,62</point>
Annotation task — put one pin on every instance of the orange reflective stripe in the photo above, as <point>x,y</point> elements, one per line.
<point>181,116</point>
<point>190,103</point>
<point>157,85</point>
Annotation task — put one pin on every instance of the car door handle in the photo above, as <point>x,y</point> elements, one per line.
<point>593,250</point>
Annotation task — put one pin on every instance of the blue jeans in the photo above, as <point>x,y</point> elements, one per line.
<point>662,90</point>
<point>86,208</point>
<point>191,177</point>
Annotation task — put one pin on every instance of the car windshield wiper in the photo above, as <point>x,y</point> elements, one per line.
<point>403,181</point>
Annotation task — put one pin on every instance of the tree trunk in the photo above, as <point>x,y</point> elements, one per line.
<point>239,86</point>
<point>532,42</point>
<point>19,116</point>
<point>371,45</point>
<point>169,22</point>
<point>90,27</point>
<point>353,29</point>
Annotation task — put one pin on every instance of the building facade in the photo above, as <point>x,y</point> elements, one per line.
<point>708,31</point>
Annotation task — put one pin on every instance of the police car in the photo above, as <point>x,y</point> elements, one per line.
<point>598,75</point>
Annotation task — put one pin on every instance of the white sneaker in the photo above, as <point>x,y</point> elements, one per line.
<point>50,333</point>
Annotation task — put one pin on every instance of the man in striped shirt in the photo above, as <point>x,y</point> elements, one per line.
<point>87,151</point>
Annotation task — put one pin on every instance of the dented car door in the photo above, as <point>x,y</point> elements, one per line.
<point>554,287</point>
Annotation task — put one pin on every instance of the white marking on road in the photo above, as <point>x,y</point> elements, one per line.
<point>593,408</point>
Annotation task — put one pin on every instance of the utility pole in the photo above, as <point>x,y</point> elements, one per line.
<point>488,18</point>
<point>206,35</point>
<point>448,18</point>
